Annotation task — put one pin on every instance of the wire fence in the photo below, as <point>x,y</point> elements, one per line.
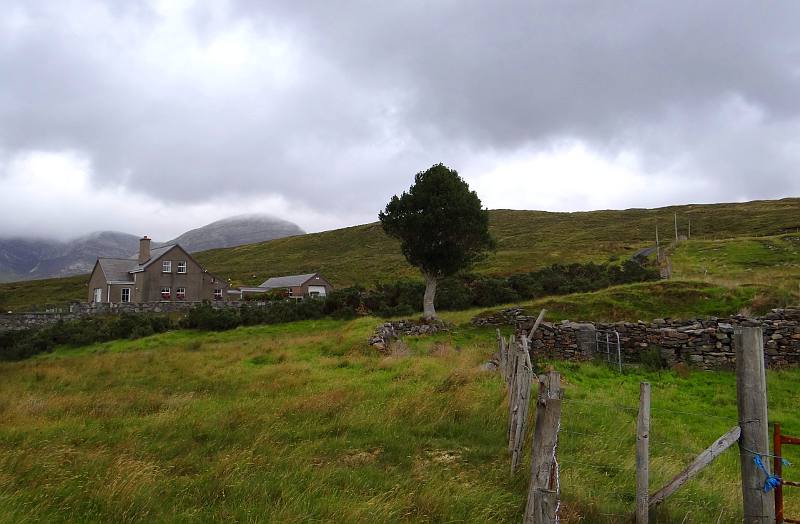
<point>597,460</point>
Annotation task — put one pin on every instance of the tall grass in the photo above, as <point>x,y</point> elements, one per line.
<point>303,422</point>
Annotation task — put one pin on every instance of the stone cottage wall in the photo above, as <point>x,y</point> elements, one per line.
<point>703,343</point>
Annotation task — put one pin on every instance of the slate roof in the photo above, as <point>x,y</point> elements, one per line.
<point>155,253</point>
<point>287,281</point>
<point>118,269</point>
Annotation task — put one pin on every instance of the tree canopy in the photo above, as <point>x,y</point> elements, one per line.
<point>441,225</point>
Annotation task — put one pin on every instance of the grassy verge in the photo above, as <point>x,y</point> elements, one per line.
<point>645,301</point>
<point>302,422</point>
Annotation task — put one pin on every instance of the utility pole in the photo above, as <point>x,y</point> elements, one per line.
<point>676,228</point>
<point>658,246</point>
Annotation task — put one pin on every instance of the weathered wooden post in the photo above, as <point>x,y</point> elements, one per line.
<point>522,400</point>
<point>751,389</point>
<point>643,455</point>
<point>542,506</point>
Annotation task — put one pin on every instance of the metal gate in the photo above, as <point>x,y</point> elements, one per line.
<point>607,347</point>
<point>777,464</point>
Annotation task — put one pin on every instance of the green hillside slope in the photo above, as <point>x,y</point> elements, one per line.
<point>526,240</point>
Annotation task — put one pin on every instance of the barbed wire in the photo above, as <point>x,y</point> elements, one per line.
<point>604,467</point>
<point>691,413</point>
<point>620,407</point>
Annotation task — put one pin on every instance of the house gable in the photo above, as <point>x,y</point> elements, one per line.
<point>148,282</point>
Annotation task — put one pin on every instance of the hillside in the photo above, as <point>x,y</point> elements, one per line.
<point>28,259</point>
<point>526,240</point>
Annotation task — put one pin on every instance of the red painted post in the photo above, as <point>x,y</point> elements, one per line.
<point>777,467</point>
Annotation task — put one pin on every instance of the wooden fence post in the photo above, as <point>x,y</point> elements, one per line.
<point>542,506</point>
<point>524,380</point>
<point>643,454</point>
<point>751,389</point>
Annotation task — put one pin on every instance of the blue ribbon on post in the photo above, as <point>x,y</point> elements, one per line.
<point>772,481</point>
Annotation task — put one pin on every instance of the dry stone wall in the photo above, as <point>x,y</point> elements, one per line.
<point>78,310</point>
<point>389,331</point>
<point>703,343</point>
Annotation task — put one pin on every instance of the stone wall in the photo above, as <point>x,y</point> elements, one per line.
<point>703,343</point>
<point>79,310</point>
<point>388,331</point>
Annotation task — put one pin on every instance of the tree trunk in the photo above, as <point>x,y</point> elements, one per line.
<point>430,293</point>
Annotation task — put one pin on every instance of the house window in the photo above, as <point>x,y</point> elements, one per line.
<point>217,294</point>
<point>126,294</point>
<point>288,292</point>
<point>165,294</point>
<point>180,293</point>
<point>182,266</point>
<point>166,266</point>
<point>98,294</point>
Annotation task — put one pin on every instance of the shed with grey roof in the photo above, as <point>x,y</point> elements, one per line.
<point>297,287</point>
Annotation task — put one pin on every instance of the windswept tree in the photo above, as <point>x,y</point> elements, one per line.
<point>441,225</point>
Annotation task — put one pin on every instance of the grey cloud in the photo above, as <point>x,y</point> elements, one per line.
<point>382,90</point>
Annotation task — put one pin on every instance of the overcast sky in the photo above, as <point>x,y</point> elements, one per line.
<point>157,117</point>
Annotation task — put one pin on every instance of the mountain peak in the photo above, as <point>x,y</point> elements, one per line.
<point>236,231</point>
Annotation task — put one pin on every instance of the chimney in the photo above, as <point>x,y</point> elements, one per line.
<point>144,249</point>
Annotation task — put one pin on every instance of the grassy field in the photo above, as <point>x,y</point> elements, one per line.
<point>765,261</point>
<point>526,240</point>
<point>303,422</point>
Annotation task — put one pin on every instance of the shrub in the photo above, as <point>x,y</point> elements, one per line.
<point>454,293</point>
<point>207,318</point>
<point>492,291</point>
<point>15,345</point>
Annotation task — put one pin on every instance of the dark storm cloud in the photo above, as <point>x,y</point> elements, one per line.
<point>343,102</point>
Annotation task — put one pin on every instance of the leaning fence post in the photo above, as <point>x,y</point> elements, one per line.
<point>643,454</point>
<point>542,506</point>
<point>751,390</point>
<point>522,399</point>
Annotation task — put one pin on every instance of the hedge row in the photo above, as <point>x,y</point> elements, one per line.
<point>17,345</point>
<point>395,299</point>
<point>466,291</point>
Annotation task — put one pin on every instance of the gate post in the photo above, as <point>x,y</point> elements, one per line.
<point>778,470</point>
<point>751,389</point>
